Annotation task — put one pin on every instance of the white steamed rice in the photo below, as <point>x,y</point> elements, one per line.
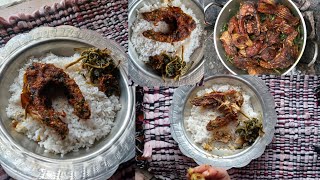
<point>196,123</point>
<point>146,47</point>
<point>82,133</point>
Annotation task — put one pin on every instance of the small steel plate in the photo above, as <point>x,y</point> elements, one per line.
<point>24,158</point>
<point>262,101</point>
<point>142,75</point>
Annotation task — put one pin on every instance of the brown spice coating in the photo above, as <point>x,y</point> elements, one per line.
<point>245,63</point>
<point>181,24</point>
<point>221,121</point>
<point>227,103</point>
<point>38,79</point>
<point>249,21</point>
<point>215,99</point>
<point>109,85</point>
<point>228,46</point>
<point>282,60</point>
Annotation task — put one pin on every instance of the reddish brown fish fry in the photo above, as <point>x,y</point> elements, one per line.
<point>228,103</point>
<point>181,25</point>
<point>41,78</point>
<point>221,121</point>
<point>249,21</point>
<point>215,99</point>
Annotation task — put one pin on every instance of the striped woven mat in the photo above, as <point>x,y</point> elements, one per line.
<point>291,155</point>
<point>108,17</point>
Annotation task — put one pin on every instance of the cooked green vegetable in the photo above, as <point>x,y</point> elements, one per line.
<point>102,70</point>
<point>283,36</point>
<point>249,130</point>
<point>170,66</point>
<point>230,59</point>
<point>224,27</point>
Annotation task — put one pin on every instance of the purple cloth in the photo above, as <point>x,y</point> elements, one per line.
<point>290,155</point>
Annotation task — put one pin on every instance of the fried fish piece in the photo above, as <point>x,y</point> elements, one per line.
<point>249,21</point>
<point>216,99</point>
<point>284,59</point>
<point>221,121</point>
<point>228,103</point>
<point>40,78</point>
<point>181,24</point>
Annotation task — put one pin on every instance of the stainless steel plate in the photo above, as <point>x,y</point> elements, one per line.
<point>142,75</point>
<point>262,101</point>
<point>24,158</point>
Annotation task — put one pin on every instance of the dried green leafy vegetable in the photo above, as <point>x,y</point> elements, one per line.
<point>249,130</point>
<point>169,66</point>
<point>102,71</point>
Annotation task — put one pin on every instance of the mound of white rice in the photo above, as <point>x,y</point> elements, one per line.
<point>196,123</point>
<point>82,133</point>
<point>146,47</point>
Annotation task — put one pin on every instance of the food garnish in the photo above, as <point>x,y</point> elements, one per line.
<point>101,69</point>
<point>39,79</point>
<point>181,24</point>
<point>169,66</point>
<point>263,38</point>
<point>249,130</point>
